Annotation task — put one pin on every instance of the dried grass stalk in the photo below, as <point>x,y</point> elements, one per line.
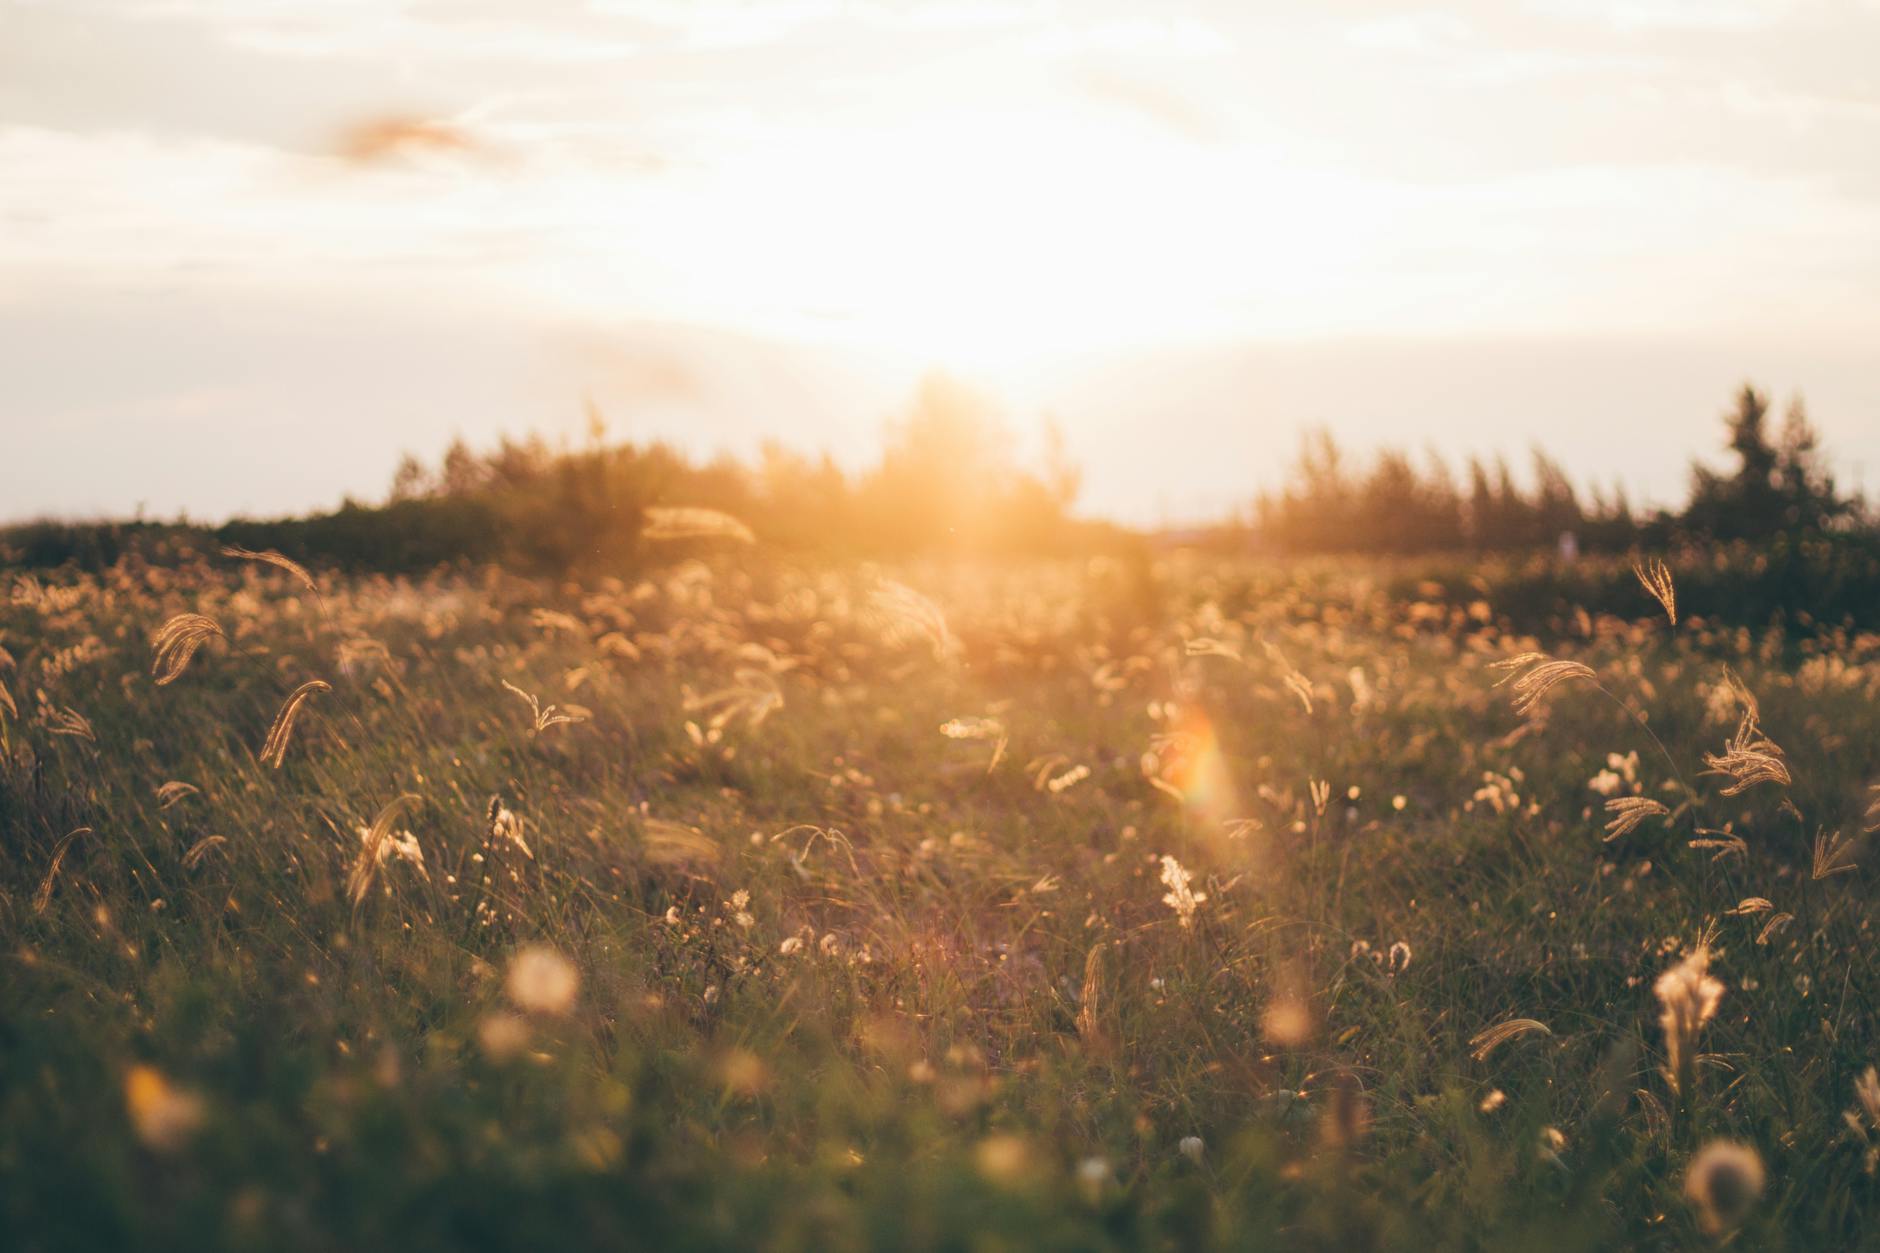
<point>1533,675</point>
<point>1628,812</point>
<point>272,558</point>
<point>1485,1042</point>
<point>274,751</point>
<point>177,641</point>
<point>1656,578</point>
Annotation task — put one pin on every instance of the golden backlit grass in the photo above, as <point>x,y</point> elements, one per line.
<point>737,905</point>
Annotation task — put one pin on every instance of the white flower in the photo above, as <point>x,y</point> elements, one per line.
<point>1192,1148</point>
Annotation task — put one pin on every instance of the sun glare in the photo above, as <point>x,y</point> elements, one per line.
<point>979,239</point>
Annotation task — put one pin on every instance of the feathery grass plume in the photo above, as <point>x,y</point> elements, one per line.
<point>979,729</point>
<point>200,849</point>
<point>177,641</point>
<point>544,718</point>
<point>1069,779</point>
<point>361,651</point>
<point>43,897</point>
<point>64,720</point>
<point>753,695</point>
<point>274,751</point>
<point>371,846</point>
<point>1725,843</point>
<point>1628,812</point>
<point>1290,677</point>
<point>1775,924</point>
<point>1723,1182</point>
<point>1536,674</point>
<point>1864,1118</point>
<point>1180,897</point>
<point>691,522</point>
<point>505,828</point>
<point>1867,1092</point>
<point>1830,851</point>
<point>1751,905</point>
<point>174,791</point>
<point>1749,757</point>
<point>903,613</point>
<point>555,621</point>
<point>1656,578</point>
<point>1689,995</point>
<point>1090,1001</point>
<point>671,844</point>
<point>1485,1042</point>
<point>276,560</point>
<point>1042,769</point>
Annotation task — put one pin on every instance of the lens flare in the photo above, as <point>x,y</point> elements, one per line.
<point>1188,764</point>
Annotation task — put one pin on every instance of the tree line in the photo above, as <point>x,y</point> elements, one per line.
<point>1397,503</point>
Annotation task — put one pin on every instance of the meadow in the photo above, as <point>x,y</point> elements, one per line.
<point>1135,902</point>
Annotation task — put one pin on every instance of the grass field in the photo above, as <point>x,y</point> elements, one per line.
<point>1173,905</point>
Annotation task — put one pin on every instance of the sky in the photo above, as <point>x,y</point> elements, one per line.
<point>252,250</point>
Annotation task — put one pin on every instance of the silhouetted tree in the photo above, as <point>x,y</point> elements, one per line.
<point>1780,484</point>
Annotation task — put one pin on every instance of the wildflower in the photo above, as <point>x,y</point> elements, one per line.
<point>541,980</point>
<point>1180,897</point>
<point>1192,1148</point>
<point>1723,1182</point>
<point>791,946</point>
<point>739,904</point>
